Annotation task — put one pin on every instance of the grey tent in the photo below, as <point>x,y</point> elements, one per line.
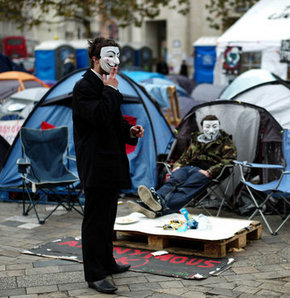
<point>207,92</point>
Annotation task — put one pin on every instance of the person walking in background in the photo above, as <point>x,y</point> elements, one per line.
<point>69,64</point>
<point>100,135</point>
<point>209,152</point>
<point>183,69</point>
<point>162,67</point>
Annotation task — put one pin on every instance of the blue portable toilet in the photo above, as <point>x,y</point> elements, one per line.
<point>144,58</point>
<point>81,48</point>
<point>204,59</point>
<point>49,59</point>
<point>127,58</point>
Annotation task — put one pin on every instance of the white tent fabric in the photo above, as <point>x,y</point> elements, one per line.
<point>261,29</point>
<point>274,98</point>
<point>247,80</point>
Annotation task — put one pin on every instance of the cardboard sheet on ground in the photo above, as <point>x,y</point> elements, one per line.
<point>187,267</point>
<point>220,228</point>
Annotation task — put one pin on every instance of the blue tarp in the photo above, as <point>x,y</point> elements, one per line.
<point>157,139</point>
<point>139,76</point>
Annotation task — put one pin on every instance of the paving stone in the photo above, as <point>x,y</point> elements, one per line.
<point>224,292</point>
<point>247,296</point>
<point>25,296</point>
<point>19,266</point>
<point>7,283</point>
<point>73,267</point>
<point>236,278</point>
<point>41,289</point>
<point>278,287</point>
<point>130,280</point>
<point>272,275</point>
<point>88,293</point>
<point>265,293</point>
<point>246,289</point>
<point>72,286</point>
<point>171,284</point>
<point>49,279</point>
<point>174,291</point>
<point>15,272</point>
<point>194,294</point>
<point>135,294</point>
<point>12,292</point>
<point>262,260</point>
<point>272,268</point>
<point>163,295</point>
<point>41,270</point>
<point>144,286</point>
<point>51,262</point>
<point>246,269</point>
<point>200,289</point>
<point>286,265</point>
<point>53,295</point>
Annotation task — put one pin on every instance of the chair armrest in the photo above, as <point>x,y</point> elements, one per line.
<point>258,165</point>
<point>23,164</point>
<point>224,173</point>
<point>166,165</point>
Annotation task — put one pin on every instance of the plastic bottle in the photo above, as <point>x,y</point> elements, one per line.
<point>203,222</point>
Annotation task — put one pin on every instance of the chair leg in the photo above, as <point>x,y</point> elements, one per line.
<point>259,208</point>
<point>32,206</point>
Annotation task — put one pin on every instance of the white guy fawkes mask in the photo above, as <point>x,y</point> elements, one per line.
<point>211,129</point>
<point>109,58</point>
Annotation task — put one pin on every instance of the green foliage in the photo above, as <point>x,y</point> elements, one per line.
<point>29,13</point>
<point>223,13</point>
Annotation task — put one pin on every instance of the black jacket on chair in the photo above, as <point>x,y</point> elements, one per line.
<point>100,134</point>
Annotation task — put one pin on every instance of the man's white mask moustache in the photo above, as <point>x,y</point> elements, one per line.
<point>109,58</point>
<point>211,129</point>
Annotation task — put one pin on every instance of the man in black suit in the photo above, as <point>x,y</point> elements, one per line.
<point>100,135</point>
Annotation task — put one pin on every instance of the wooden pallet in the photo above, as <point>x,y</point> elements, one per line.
<point>189,246</point>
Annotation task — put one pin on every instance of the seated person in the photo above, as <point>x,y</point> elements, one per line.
<point>209,152</point>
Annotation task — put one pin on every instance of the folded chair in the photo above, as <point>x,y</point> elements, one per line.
<point>279,189</point>
<point>44,173</point>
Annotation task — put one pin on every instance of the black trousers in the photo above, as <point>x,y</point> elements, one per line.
<point>97,231</point>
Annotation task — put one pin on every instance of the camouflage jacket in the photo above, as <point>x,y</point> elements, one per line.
<point>212,156</point>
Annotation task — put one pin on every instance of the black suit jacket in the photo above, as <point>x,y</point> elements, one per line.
<point>100,134</point>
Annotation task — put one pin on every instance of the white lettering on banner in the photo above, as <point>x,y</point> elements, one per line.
<point>9,129</point>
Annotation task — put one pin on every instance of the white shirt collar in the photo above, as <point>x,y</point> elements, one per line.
<point>97,74</point>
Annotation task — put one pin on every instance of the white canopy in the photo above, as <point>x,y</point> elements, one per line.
<point>266,21</point>
<point>260,29</point>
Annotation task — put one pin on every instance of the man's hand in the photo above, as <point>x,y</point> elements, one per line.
<point>137,131</point>
<point>177,168</point>
<point>112,79</point>
<point>206,173</point>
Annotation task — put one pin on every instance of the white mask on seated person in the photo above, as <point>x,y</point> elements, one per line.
<point>211,129</point>
<point>109,58</point>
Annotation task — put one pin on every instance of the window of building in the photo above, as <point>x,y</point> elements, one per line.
<point>250,60</point>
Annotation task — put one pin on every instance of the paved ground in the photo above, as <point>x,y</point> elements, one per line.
<point>261,269</point>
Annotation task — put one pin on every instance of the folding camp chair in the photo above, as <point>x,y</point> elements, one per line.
<point>277,189</point>
<point>44,173</point>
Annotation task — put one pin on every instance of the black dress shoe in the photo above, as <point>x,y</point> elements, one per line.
<point>103,286</point>
<point>118,269</point>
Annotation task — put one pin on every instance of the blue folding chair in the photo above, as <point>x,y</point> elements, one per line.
<point>44,173</point>
<point>278,189</point>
